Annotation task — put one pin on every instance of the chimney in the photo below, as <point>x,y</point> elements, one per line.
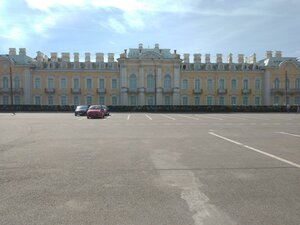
<point>40,56</point>
<point>54,56</point>
<point>111,57</point>
<point>240,58</point>
<point>12,51</point>
<point>207,58</point>
<point>219,58</point>
<point>87,57</point>
<point>157,46</point>
<point>22,51</point>
<point>65,57</point>
<point>140,46</point>
<point>252,58</point>
<point>76,57</point>
<point>278,54</point>
<point>99,57</point>
<point>269,54</point>
<point>186,57</point>
<point>197,58</point>
<point>229,58</point>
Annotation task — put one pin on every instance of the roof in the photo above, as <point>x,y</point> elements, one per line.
<point>20,59</point>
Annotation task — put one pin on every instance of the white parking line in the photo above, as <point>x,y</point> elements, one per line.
<point>189,117</point>
<point>294,135</point>
<point>148,117</point>
<point>169,117</point>
<point>128,117</point>
<point>209,117</point>
<point>234,117</point>
<point>254,149</point>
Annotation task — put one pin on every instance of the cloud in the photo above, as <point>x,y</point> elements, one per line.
<point>116,26</point>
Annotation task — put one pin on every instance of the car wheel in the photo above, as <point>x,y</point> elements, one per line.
<point>75,114</point>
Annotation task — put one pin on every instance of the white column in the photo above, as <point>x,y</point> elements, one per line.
<point>124,86</point>
<point>176,86</point>
<point>266,88</point>
<point>27,87</point>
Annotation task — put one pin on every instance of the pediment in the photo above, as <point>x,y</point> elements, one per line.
<point>150,55</point>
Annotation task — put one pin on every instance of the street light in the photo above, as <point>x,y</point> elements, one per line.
<point>286,86</point>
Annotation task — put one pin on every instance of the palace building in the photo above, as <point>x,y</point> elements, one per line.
<point>148,76</point>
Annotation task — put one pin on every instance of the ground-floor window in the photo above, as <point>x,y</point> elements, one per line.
<point>185,100</point>
<point>209,100</point>
<point>114,100</point>
<point>297,100</point>
<point>245,100</point>
<point>276,100</point>
<point>132,100</point>
<point>257,100</point>
<point>50,100</point>
<point>17,100</point>
<point>150,100</point>
<point>167,100</point>
<point>233,100</point>
<point>37,100</point>
<point>221,100</point>
<point>101,100</point>
<point>76,100</point>
<point>89,100</point>
<point>63,100</point>
<point>197,100</point>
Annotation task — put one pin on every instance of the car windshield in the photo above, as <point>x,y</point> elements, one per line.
<point>82,107</point>
<point>95,107</point>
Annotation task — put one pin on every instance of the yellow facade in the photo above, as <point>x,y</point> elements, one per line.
<point>148,76</point>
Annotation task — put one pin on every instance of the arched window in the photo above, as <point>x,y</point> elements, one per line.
<point>150,81</point>
<point>167,81</point>
<point>297,83</point>
<point>132,81</point>
<point>5,82</point>
<point>197,84</point>
<point>276,83</point>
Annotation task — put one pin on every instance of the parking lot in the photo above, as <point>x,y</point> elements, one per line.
<point>150,169</point>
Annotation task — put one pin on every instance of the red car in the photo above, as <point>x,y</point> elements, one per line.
<point>95,111</point>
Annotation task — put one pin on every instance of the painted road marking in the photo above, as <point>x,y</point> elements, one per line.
<point>169,117</point>
<point>189,117</point>
<point>128,117</point>
<point>209,117</point>
<point>148,117</point>
<point>256,150</point>
<point>234,117</point>
<point>294,135</point>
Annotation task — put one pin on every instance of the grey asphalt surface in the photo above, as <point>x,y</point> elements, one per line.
<point>149,169</point>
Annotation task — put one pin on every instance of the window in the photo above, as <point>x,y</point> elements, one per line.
<point>276,100</point>
<point>184,100</point>
<point>233,84</point>
<point>63,100</point>
<point>114,100</point>
<point>209,84</point>
<point>50,100</point>
<point>185,84</point>
<point>17,100</point>
<point>245,84</point>
<point>89,100</point>
<point>37,82</point>
<point>167,81</point>
<point>257,84</point>
<point>88,83</point>
<point>150,81</point>
<point>221,100</point>
<point>16,82</point>
<point>5,100</point>
<point>245,100</point>
<point>133,100</point>
<point>287,84</point>
<point>37,100</point>
<point>233,100</point>
<point>63,83</point>
<point>5,82</point>
<point>197,100</point>
<point>209,100</point>
<point>150,100</point>
<point>76,83</point>
<point>101,100</point>
<point>114,83</point>
<point>257,100</point>
<point>197,84</point>
<point>297,100</point>
<point>297,83</point>
<point>167,100</point>
<point>276,83</point>
<point>221,84</point>
<point>76,100</point>
<point>101,83</point>
<point>132,81</point>
<point>50,82</point>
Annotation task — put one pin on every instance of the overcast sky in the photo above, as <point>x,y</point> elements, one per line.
<point>188,26</point>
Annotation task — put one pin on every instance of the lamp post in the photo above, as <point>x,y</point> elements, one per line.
<point>11,81</point>
<point>286,87</point>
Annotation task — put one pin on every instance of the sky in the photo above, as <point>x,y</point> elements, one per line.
<point>188,26</point>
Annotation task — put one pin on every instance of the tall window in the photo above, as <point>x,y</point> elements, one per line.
<point>63,100</point>
<point>297,100</point>
<point>17,100</point>
<point>257,84</point>
<point>276,83</point>
<point>50,100</point>
<point>132,100</point>
<point>167,81</point>
<point>89,83</point>
<point>197,84</point>
<point>233,84</point>
<point>89,100</point>
<point>297,83</point>
<point>76,83</point>
<point>101,83</point>
<point>209,100</point>
<point>197,100</point>
<point>257,100</point>
<point>132,81</point>
<point>185,84</point>
<point>209,84</point>
<point>167,100</point>
<point>50,82</point>
<point>184,100</point>
<point>221,100</point>
<point>233,100</point>
<point>288,83</point>
<point>221,84</point>
<point>245,84</point>
<point>114,83</point>
<point>114,100</point>
<point>76,100</point>
<point>37,100</point>
<point>63,82</point>
<point>5,100</point>
<point>101,100</point>
<point>16,82</point>
<point>150,100</point>
<point>245,100</point>
<point>37,82</point>
<point>150,81</point>
<point>5,82</point>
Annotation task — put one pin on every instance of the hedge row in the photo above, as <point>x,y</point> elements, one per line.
<point>159,108</point>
